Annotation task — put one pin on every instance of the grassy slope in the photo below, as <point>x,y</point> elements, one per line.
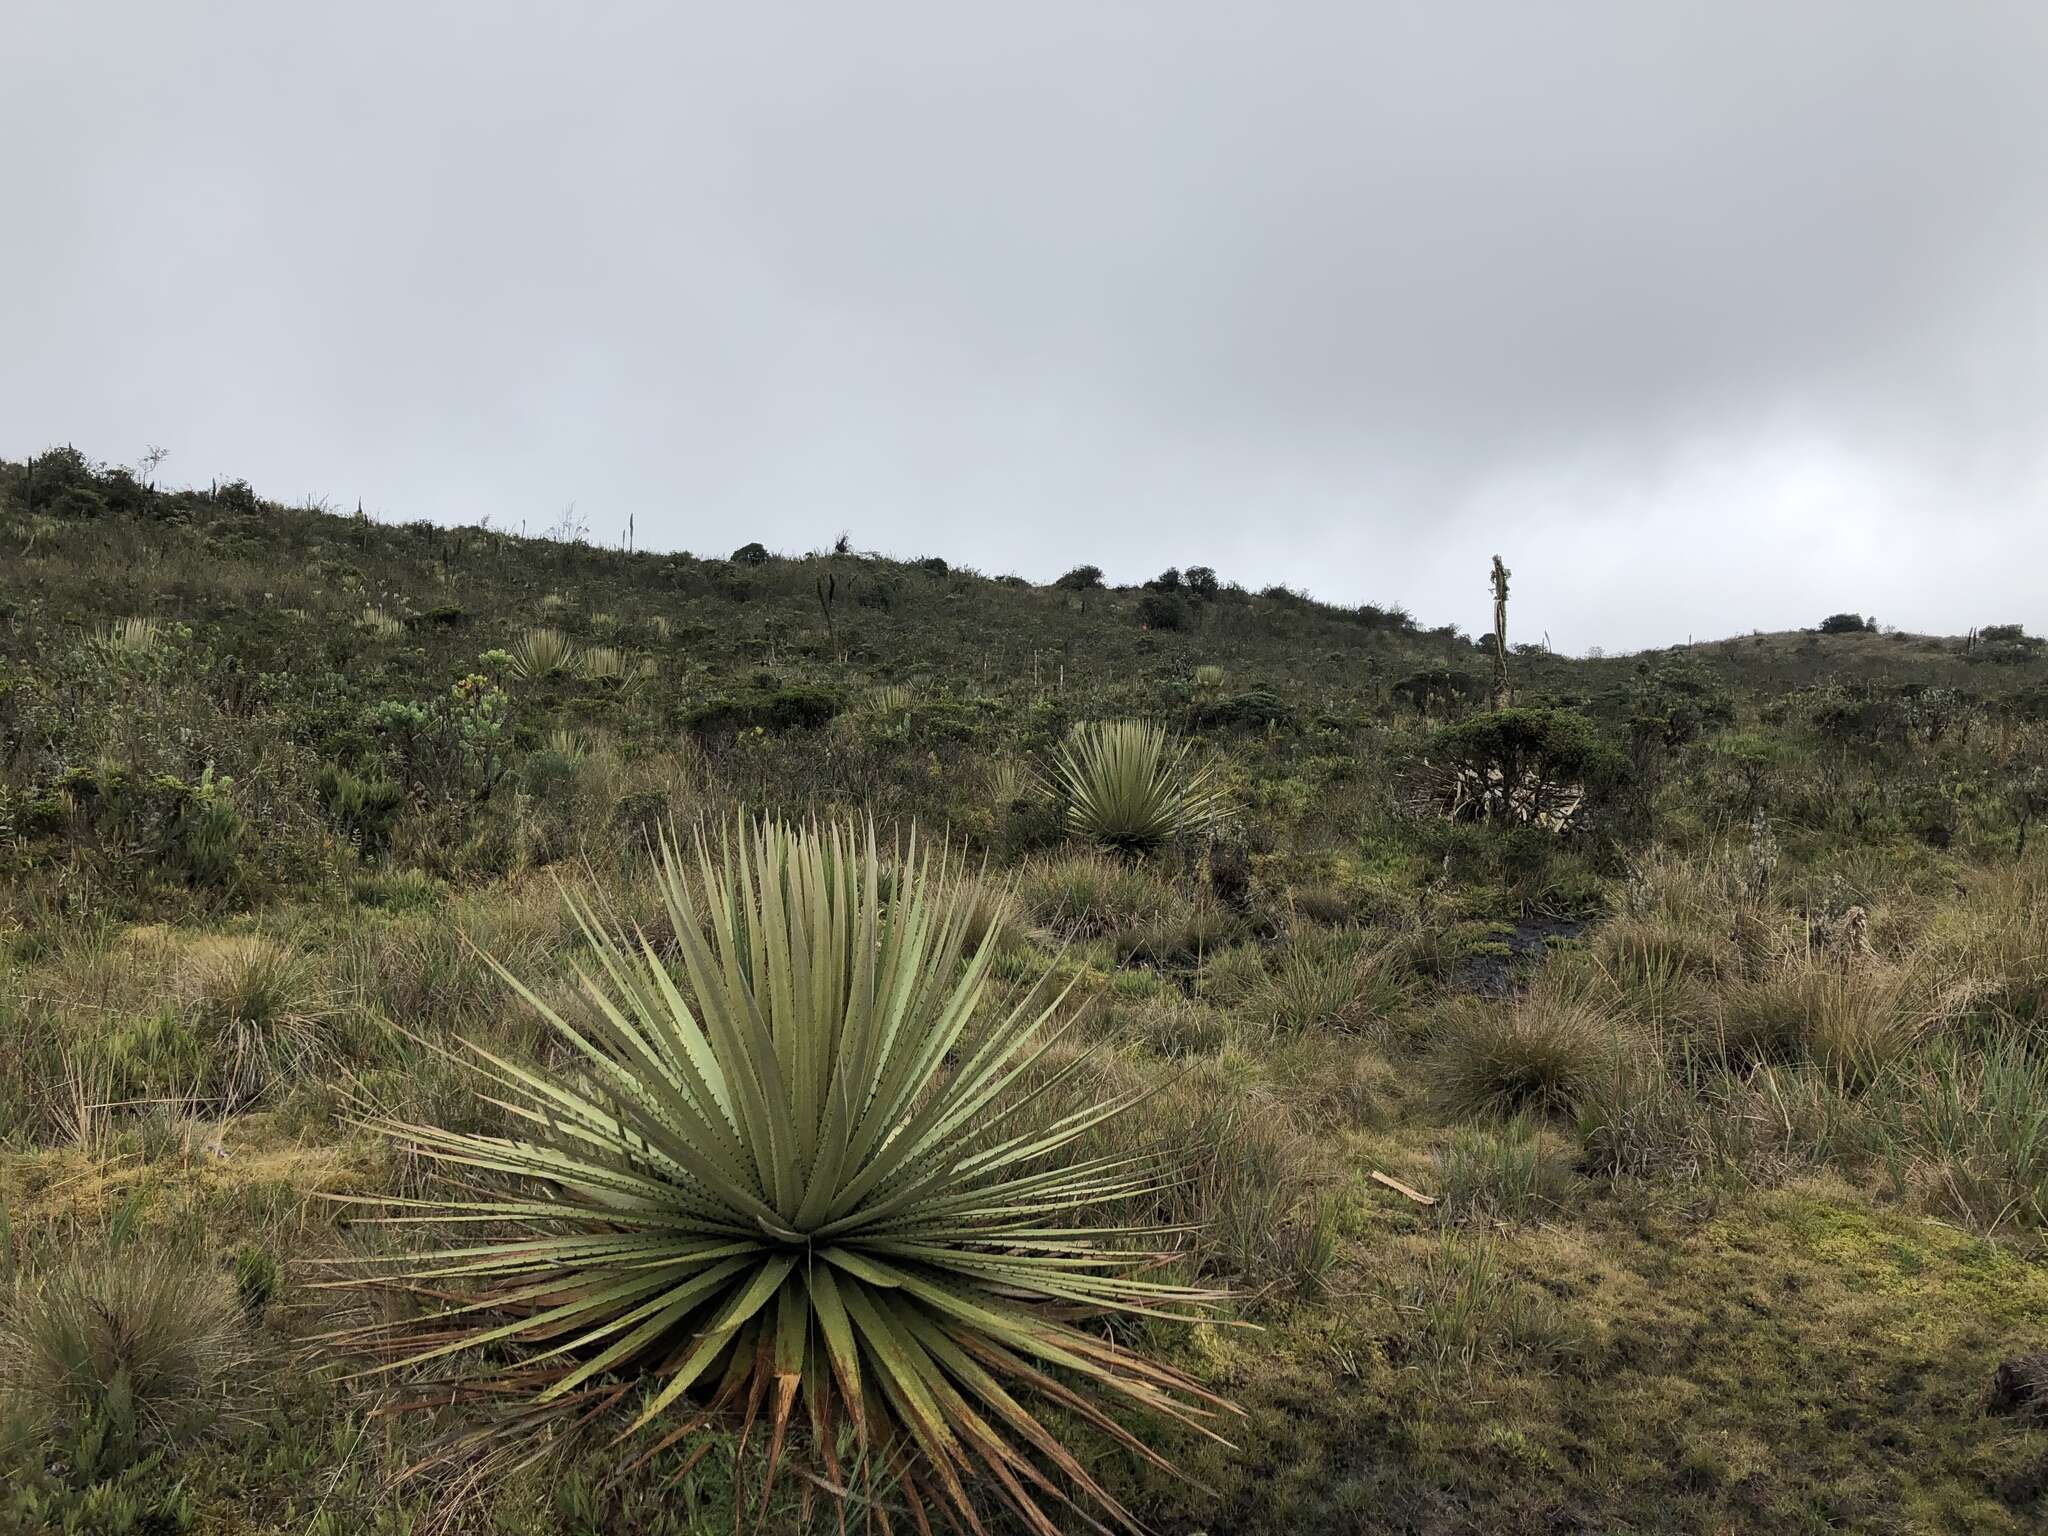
<point>1756,1297</point>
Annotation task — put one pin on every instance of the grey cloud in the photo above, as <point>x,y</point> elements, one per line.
<point>1344,295</point>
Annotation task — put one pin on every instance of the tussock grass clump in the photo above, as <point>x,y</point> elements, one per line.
<point>424,969</point>
<point>1856,1018</point>
<point>378,624</point>
<point>1233,973</point>
<point>1175,1027</point>
<point>1663,969</point>
<point>1998,940</point>
<point>1312,983</point>
<point>1691,893</point>
<point>109,1355</point>
<point>1701,1119</point>
<point>1127,785</point>
<point>1321,901</point>
<point>1324,980</point>
<point>798,1167</point>
<point>259,1009</point>
<point>1979,1119</point>
<point>1514,1171</point>
<point>1252,1185</point>
<point>989,908</point>
<point>1180,936</point>
<point>1540,1052</point>
<point>543,651</point>
<point>1086,895</point>
<point>1635,1119</point>
<point>1329,1082</point>
<point>1470,1312</point>
<point>402,890</point>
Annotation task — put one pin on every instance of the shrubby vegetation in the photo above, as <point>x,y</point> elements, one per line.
<point>1702,990</point>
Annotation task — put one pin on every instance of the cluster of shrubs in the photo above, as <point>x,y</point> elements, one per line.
<point>188,828</point>
<point>2005,644</point>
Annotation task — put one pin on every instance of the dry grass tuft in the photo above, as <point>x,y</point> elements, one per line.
<point>259,1010</point>
<point>1540,1052</point>
<point>1324,980</point>
<point>1856,1018</point>
<point>107,1356</point>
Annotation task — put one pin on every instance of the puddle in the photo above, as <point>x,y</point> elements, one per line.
<point>1495,974</point>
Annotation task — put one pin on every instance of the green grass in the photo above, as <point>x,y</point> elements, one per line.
<point>1739,1190</point>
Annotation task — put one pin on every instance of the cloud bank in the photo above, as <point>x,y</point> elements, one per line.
<point>1705,316</point>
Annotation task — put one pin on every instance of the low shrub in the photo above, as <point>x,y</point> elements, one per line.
<point>363,810</point>
<point>792,708</point>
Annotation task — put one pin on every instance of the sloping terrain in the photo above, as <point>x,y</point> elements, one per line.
<point>1725,1084</point>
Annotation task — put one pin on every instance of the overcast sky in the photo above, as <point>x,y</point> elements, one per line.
<point>1706,316</point>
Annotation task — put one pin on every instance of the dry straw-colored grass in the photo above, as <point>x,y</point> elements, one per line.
<point>1540,1052</point>
<point>261,1009</point>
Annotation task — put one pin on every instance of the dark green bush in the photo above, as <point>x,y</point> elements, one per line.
<point>258,1277</point>
<point>2006,644</point>
<point>2009,634</point>
<point>1374,616</point>
<point>1679,700</point>
<point>1162,610</point>
<point>1439,687</point>
<point>790,708</point>
<point>1858,716</point>
<point>1252,710</point>
<point>206,832</point>
<point>1555,743</point>
<point>363,810</point>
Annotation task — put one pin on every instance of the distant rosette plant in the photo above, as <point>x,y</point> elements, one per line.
<point>543,651</point>
<point>1127,784</point>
